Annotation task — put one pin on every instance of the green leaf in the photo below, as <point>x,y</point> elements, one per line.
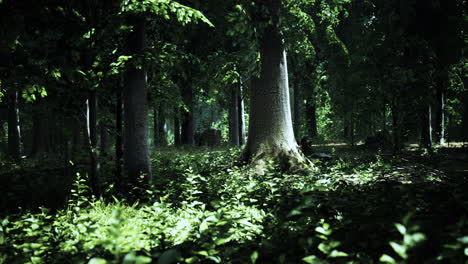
<point>323,231</point>
<point>313,260</point>
<point>336,254</point>
<point>418,237</point>
<point>463,240</point>
<point>387,259</point>
<point>142,260</point>
<point>254,257</point>
<point>399,249</point>
<point>401,228</point>
<point>97,261</point>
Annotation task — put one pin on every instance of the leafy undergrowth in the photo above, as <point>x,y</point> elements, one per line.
<point>203,208</point>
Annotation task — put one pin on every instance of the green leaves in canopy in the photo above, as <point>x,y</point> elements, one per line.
<point>184,14</point>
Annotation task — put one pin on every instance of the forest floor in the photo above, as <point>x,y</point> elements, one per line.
<point>359,206</point>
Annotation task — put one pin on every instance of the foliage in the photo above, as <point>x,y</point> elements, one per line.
<point>205,209</point>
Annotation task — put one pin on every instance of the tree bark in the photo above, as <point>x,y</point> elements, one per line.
<point>104,135</point>
<point>118,140</point>
<point>241,118</point>
<point>234,116</point>
<point>396,126</point>
<point>137,149</point>
<point>91,130</point>
<point>271,135</point>
<point>187,135</point>
<point>439,116</point>
<point>426,127</point>
<point>177,139</point>
<point>311,111</point>
<point>297,107</point>
<point>14,135</point>
<point>160,133</point>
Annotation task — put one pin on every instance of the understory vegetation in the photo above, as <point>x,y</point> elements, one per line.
<point>203,207</point>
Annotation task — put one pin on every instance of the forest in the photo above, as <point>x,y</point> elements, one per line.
<point>239,131</point>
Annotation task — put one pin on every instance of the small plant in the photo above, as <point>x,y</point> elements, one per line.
<point>327,246</point>
<point>411,238</point>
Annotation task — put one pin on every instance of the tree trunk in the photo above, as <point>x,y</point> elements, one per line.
<point>118,140</point>
<point>297,107</point>
<point>241,118</point>
<point>311,111</point>
<point>91,130</point>
<point>234,116</point>
<point>14,136</point>
<point>187,135</point>
<point>160,133</point>
<point>137,149</point>
<point>104,138</point>
<point>439,118</point>
<point>426,127</point>
<point>41,132</point>
<point>271,135</point>
<point>177,139</point>
<point>396,126</point>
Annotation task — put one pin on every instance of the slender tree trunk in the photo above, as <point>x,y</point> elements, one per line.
<point>91,130</point>
<point>271,134</point>
<point>104,135</point>
<point>137,149</point>
<point>426,128</point>
<point>76,135</point>
<point>297,107</point>
<point>177,139</point>
<point>241,118</point>
<point>234,117</point>
<point>439,118</point>
<point>465,120</point>
<point>160,132</point>
<point>396,126</point>
<point>187,135</point>
<point>311,111</point>
<point>14,136</point>
<point>118,140</point>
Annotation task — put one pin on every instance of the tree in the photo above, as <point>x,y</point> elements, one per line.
<point>137,149</point>
<point>271,133</point>
<point>14,147</point>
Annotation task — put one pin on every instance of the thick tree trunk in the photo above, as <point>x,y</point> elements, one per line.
<point>137,149</point>
<point>188,135</point>
<point>14,136</point>
<point>271,135</point>
<point>118,140</point>
<point>426,127</point>
<point>91,130</point>
<point>234,117</point>
<point>241,118</point>
<point>177,139</point>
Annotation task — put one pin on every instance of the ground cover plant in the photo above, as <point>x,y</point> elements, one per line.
<point>350,209</point>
